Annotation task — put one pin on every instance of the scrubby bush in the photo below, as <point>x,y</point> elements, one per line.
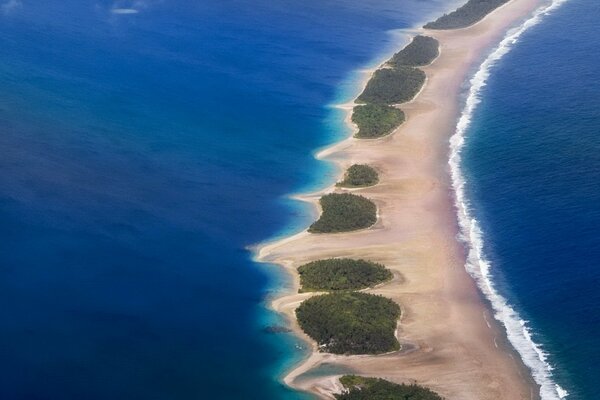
<point>376,120</point>
<point>422,50</point>
<point>360,388</point>
<point>344,212</point>
<point>470,13</point>
<point>393,86</point>
<point>359,175</point>
<point>350,322</point>
<point>341,274</point>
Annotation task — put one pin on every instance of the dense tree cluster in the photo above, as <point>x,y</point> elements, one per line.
<point>341,274</point>
<point>470,13</point>
<point>360,388</point>
<point>359,175</point>
<point>350,322</point>
<point>343,212</point>
<point>421,51</point>
<point>393,85</point>
<point>398,83</point>
<point>376,120</point>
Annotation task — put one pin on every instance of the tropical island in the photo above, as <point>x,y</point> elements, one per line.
<point>350,322</point>
<point>343,212</point>
<point>393,85</point>
<point>421,51</point>
<point>468,14</point>
<point>376,120</point>
<point>359,175</point>
<point>341,274</point>
<point>361,388</point>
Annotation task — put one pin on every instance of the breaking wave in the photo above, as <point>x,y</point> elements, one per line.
<point>518,331</point>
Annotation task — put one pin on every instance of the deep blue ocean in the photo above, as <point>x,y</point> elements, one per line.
<point>145,144</point>
<point>532,167</point>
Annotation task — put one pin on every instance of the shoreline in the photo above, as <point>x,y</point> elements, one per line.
<point>451,341</point>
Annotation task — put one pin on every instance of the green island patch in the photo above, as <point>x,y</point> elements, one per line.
<point>361,388</point>
<point>350,322</point>
<point>466,15</point>
<point>376,120</point>
<point>359,175</point>
<point>393,85</point>
<point>398,82</point>
<point>343,212</point>
<point>341,274</point>
<point>422,50</point>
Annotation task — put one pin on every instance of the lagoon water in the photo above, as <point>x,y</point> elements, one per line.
<point>145,144</point>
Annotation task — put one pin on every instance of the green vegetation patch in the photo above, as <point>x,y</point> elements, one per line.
<point>468,14</point>
<point>350,322</point>
<point>376,120</point>
<point>360,388</point>
<point>359,175</point>
<point>341,274</point>
<point>393,86</point>
<point>343,212</point>
<point>421,51</point>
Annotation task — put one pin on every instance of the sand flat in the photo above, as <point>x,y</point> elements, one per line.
<point>451,342</point>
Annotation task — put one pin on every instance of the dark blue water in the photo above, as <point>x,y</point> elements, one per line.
<point>533,165</point>
<point>143,146</point>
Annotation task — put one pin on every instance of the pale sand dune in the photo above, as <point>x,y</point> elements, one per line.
<point>451,342</point>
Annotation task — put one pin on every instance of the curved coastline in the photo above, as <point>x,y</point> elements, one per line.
<point>477,265</point>
<point>437,298</point>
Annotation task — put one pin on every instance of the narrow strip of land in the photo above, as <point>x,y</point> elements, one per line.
<point>449,340</point>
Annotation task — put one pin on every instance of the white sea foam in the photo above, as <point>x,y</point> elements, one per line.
<point>518,331</point>
<point>124,11</point>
